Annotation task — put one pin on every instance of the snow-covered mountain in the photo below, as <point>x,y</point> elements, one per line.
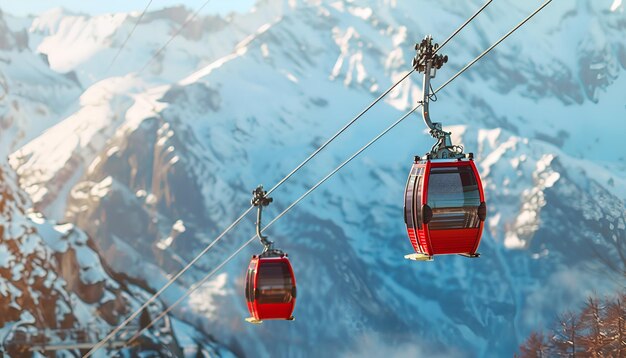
<point>52,276</point>
<point>32,97</point>
<point>153,163</point>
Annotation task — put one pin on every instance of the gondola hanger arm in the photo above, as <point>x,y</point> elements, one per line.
<point>427,61</point>
<point>259,200</point>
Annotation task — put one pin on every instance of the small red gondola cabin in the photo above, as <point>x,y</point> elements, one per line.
<point>270,288</point>
<point>444,208</point>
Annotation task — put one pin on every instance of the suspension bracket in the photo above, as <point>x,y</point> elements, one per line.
<point>260,199</point>
<point>427,61</point>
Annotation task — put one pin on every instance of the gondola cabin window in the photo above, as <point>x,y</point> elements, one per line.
<point>408,206</point>
<point>453,197</point>
<point>418,197</point>
<point>250,281</point>
<point>275,283</point>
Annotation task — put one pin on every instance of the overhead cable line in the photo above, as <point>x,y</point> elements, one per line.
<point>282,181</point>
<point>240,218</point>
<point>167,285</point>
<point>278,217</point>
<point>128,37</point>
<point>180,29</point>
<point>347,125</point>
<point>463,25</point>
<point>495,44</point>
<point>119,51</point>
<point>197,285</point>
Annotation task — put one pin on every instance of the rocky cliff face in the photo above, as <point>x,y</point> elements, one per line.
<point>51,275</point>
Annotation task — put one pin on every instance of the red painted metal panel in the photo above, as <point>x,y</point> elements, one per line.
<point>425,232</point>
<point>413,238</point>
<point>250,284</point>
<point>423,241</point>
<point>456,163</point>
<point>265,311</point>
<point>482,199</point>
<point>453,241</point>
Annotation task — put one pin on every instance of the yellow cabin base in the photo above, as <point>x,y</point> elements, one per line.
<point>418,257</point>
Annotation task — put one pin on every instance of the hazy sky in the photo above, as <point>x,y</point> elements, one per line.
<point>25,7</point>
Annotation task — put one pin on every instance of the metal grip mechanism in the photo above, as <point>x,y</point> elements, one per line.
<point>426,52</point>
<point>427,61</point>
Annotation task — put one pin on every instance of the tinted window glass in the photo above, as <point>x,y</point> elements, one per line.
<point>274,283</point>
<point>418,200</point>
<point>250,281</point>
<point>454,198</point>
<point>408,202</point>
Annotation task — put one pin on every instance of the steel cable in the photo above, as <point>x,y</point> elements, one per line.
<point>128,37</point>
<point>199,283</point>
<point>240,218</point>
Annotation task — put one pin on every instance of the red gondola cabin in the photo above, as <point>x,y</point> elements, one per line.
<point>444,208</point>
<point>270,288</point>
